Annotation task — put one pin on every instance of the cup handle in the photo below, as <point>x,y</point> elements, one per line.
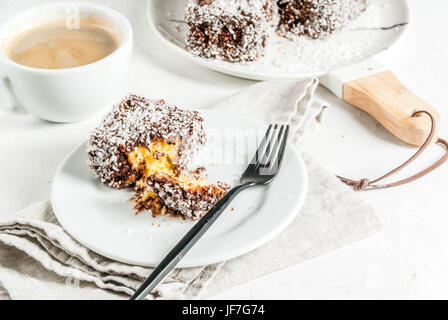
<point>8,99</point>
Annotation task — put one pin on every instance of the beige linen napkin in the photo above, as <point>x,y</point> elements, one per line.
<point>38,259</point>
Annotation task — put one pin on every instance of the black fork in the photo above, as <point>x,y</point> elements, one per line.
<point>262,170</point>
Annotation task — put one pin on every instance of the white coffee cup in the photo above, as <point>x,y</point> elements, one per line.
<point>72,94</point>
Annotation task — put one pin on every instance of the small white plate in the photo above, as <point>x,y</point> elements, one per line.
<point>374,31</point>
<point>103,220</point>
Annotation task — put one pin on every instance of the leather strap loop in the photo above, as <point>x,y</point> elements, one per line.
<point>366,184</point>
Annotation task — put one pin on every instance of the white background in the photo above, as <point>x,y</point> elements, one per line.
<point>408,259</point>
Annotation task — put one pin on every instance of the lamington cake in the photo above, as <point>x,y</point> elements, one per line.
<point>140,136</point>
<point>239,30</point>
<point>186,195</point>
<point>149,144</point>
<point>236,30</point>
<point>316,18</point>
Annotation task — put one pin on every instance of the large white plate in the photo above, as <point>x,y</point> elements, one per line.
<point>103,220</point>
<point>374,31</point>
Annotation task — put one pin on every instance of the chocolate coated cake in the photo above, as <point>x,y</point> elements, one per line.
<point>186,195</point>
<point>146,132</point>
<point>236,30</point>
<point>149,144</point>
<point>316,18</point>
<point>239,30</point>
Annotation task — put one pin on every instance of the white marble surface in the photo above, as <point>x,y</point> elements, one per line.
<point>408,259</point>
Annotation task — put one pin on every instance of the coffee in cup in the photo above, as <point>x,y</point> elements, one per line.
<point>54,45</point>
<point>66,60</point>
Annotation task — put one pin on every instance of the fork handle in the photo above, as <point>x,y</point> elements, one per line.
<point>187,242</point>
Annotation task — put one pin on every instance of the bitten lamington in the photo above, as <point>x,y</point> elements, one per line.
<point>236,30</point>
<point>159,136</point>
<point>148,144</point>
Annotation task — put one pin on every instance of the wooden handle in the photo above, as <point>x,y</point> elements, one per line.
<point>383,97</point>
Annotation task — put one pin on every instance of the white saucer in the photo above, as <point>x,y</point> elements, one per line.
<point>103,220</point>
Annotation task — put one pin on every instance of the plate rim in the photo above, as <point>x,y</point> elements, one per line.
<point>261,76</point>
<point>184,263</point>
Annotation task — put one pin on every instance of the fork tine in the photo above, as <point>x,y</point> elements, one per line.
<point>263,160</point>
<point>262,148</point>
<point>276,156</point>
<point>264,170</point>
<point>283,147</point>
<point>255,160</point>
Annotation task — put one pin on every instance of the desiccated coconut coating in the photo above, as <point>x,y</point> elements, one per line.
<point>236,30</point>
<point>316,18</point>
<point>136,122</point>
<point>239,30</point>
<point>172,197</point>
